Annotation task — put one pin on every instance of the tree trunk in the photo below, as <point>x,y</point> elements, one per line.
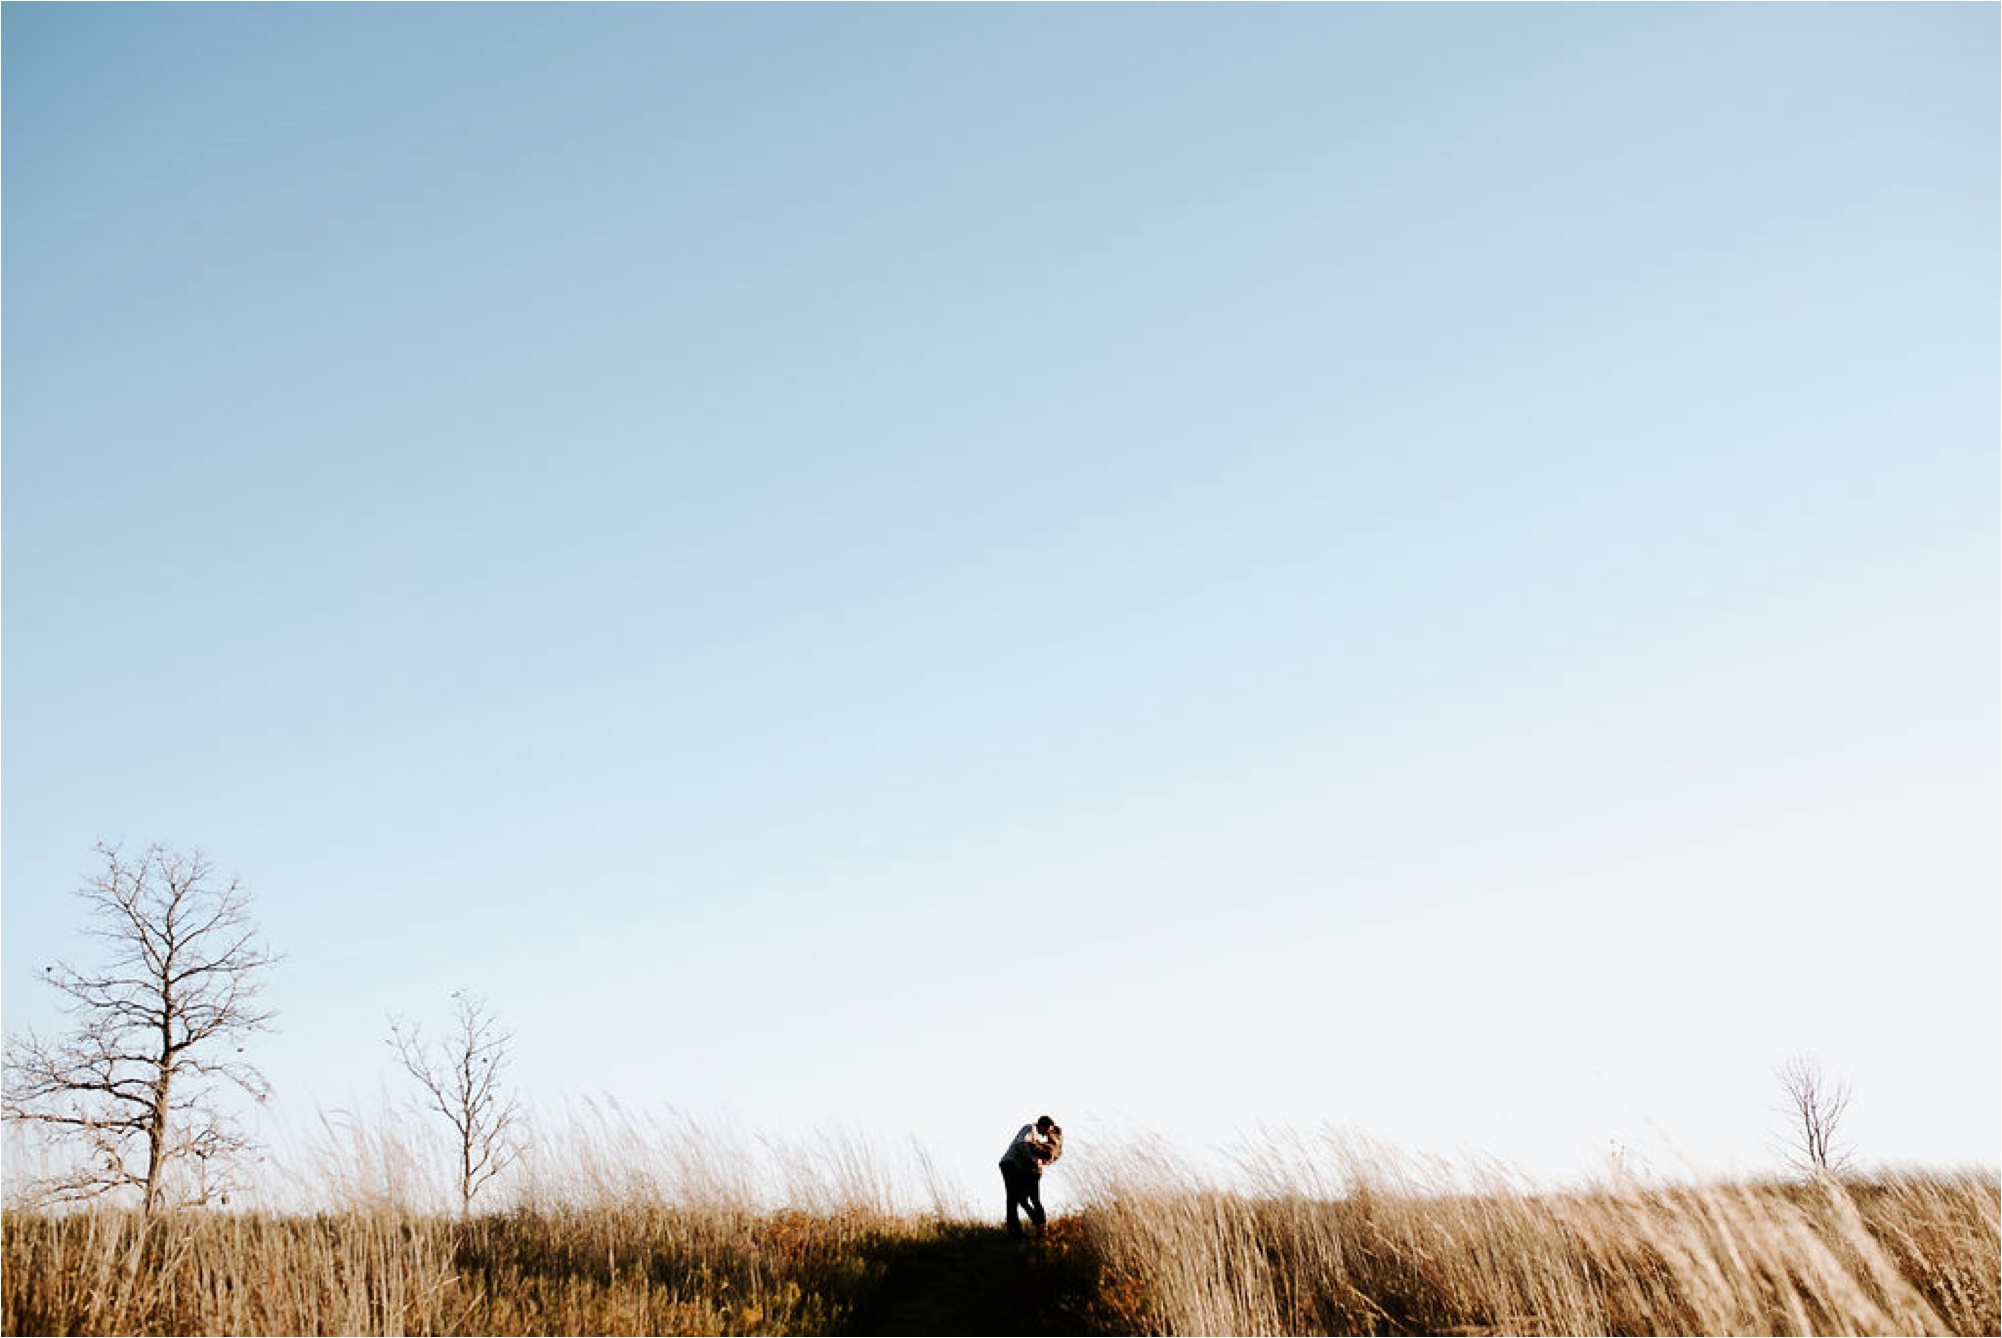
<point>156,1141</point>
<point>156,1127</point>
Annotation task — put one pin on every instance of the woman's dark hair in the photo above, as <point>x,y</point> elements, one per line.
<point>1045,1123</point>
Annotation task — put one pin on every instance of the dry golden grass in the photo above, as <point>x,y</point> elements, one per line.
<point>669,1230</point>
<point>615,1226</point>
<point>1389,1254</point>
<point>613,1270</point>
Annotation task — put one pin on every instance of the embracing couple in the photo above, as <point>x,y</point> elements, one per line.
<point>1035,1146</point>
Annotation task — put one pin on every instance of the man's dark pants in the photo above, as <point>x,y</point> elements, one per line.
<point>1025,1190</point>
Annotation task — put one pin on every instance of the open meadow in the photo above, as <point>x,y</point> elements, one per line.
<point>641,639</point>
<point>1307,1237</point>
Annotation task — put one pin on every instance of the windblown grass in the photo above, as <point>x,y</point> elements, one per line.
<point>1392,1253</point>
<point>617,1226</point>
<point>611,1270</point>
<point>634,1228</point>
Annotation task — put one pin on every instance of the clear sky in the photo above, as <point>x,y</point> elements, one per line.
<point>1428,569</point>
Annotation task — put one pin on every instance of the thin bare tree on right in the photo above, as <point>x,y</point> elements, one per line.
<point>1815,1104</point>
<point>461,1079</point>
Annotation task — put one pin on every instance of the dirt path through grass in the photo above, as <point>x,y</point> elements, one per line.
<point>971,1280</point>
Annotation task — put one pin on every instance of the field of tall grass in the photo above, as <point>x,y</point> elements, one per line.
<point>628,1229</point>
<point>1380,1246</point>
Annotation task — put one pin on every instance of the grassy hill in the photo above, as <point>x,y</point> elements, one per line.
<point>1905,1254</point>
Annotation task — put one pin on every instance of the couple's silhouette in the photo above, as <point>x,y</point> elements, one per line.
<point>1034,1147</point>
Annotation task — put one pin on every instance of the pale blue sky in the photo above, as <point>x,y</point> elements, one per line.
<point>1428,568</point>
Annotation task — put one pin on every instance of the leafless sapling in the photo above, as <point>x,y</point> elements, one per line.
<point>1814,1106</point>
<point>462,1081</point>
<point>158,1032</point>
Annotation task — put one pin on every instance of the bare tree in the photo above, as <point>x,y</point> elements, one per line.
<point>158,1032</point>
<point>461,1078</point>
<point>1814,1106</point>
